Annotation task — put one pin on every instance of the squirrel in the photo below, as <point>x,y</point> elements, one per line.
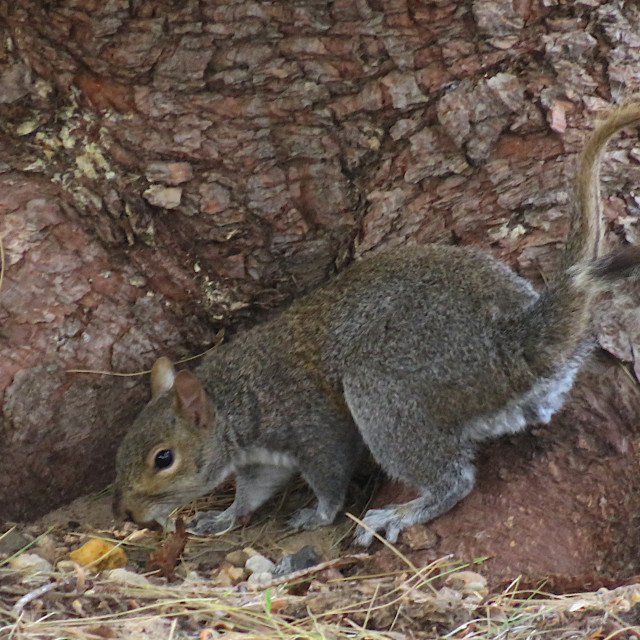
<point>418,353</point>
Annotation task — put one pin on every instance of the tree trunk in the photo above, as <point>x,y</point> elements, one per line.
<point>172,168</point>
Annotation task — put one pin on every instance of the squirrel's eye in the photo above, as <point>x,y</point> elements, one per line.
<point>164,459</point>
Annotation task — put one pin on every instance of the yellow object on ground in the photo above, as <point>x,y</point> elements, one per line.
<point>100,554</point>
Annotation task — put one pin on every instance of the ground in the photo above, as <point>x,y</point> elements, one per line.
<point>375,594</point>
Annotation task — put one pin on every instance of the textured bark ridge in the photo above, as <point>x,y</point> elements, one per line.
<point>171,168</point>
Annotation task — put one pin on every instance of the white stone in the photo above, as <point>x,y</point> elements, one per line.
<point>30,563</point>
<point>259,564</point>
<point>127,578</point>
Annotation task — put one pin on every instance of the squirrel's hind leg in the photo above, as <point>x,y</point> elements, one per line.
<point>452,484</point>
<point>393,411</point>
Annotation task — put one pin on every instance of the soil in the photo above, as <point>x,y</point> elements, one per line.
<point>554,510</point>
<point>528,529</point>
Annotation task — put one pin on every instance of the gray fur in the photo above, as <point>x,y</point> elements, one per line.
<point>419,353</point>
<point>387,367</point>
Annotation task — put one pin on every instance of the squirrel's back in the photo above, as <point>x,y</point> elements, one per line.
<point>408,308</point>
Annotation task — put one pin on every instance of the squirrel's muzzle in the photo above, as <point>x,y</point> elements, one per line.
<point>126,510</point>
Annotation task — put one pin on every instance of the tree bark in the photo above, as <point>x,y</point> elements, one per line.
<point>170,168</point>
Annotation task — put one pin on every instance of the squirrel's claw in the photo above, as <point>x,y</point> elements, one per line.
<point>212,522</point>
<point>308,518</point>
<point>389,521</point>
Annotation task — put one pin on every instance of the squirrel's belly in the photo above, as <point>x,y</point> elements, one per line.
<point>536,406</point>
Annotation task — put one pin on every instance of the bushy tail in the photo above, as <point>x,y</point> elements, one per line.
<point>556,324</point>
<point>585,235</point>
<point>601,273</point>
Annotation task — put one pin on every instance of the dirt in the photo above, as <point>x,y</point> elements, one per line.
<point>531,526</point>
<point>210,594</point>
<point>554,510</point>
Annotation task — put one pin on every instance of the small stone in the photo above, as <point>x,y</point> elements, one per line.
<point>12,541</point>
<point>30,563</point>
<point>236,573</point>
<point>259,564</point>
<point>66,566</point>
<point>48,550</point>
<point>127,578</point>
<point>467,583</point>
<point>229,575</point>
<point>237,558</point>
<point>302,559</point>
<point>260,579</point>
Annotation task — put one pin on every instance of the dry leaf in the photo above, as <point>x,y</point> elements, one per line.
<point>165,558</point>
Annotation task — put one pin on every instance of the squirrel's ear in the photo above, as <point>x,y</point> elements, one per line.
<point>191,398</point>
<point>162,376</point>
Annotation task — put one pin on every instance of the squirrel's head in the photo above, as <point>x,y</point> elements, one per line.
<point>160,463</point>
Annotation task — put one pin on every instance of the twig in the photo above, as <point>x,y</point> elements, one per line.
<point>40,591</point>
<point>323,566</point>
<point>80,585</point>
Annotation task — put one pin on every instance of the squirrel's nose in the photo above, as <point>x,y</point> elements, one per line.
<point>124,511</point>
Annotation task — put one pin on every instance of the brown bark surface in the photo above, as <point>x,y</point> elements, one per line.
<point>171,168</point>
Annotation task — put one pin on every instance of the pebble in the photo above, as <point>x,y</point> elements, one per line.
<point>12,541</point>
<point>302,559</point>
<point>260,579</point>
<point>126,577</point>
<point>259,564</point>
<point>237,558</point>
<point>30,563</point>
<point>467,583</point>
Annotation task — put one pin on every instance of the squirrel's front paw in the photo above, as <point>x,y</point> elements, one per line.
<point>307,519</point>
<point>212,522</point>
<point>388,521</point>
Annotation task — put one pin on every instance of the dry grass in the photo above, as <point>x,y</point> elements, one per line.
<point>341,599</point>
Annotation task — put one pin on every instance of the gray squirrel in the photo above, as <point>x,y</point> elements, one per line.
<point>418,353</point>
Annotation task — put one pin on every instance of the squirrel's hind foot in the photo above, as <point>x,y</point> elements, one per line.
<point>394,518</point>
<point>389,521</point>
